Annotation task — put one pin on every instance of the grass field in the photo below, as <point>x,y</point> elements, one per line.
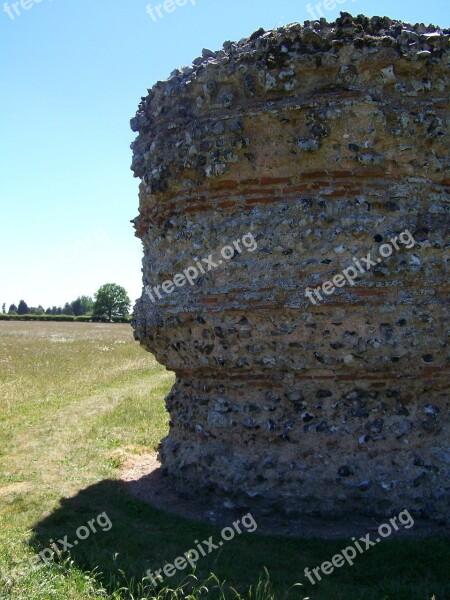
<point>73,396</point>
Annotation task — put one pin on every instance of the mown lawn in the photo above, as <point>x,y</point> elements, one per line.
<point>72,397</point>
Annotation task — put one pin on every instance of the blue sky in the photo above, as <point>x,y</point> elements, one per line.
<point>73,73</point>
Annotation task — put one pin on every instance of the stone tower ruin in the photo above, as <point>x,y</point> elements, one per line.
<point>311,371</point>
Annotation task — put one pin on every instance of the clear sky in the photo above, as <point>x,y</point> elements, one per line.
<point>72,75</point>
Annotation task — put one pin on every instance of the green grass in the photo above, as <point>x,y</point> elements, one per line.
<point>73,398</point>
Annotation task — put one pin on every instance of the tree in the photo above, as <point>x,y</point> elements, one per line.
<point>12,309</point>
<point>77,309</point>
<point>87,304</point>
<point>22,308</point>
<point>40,310</point>
<point>67,310</point>
<point>4,308</point>
<point>82,305</point>
<point>111,300</point>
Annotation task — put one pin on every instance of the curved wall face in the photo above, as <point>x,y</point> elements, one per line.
<point>310,375</point>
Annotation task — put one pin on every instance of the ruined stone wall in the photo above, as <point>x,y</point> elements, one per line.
<point>324,141</point>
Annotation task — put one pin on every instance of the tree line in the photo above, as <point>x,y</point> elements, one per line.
<point>111,300</point>
<point>83,305</point>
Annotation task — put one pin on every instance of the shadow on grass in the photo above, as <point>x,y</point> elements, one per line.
<point>125,537</point>
<point>142,538</point>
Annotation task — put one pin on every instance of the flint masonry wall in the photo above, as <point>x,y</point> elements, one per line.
<point>323,141</point>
